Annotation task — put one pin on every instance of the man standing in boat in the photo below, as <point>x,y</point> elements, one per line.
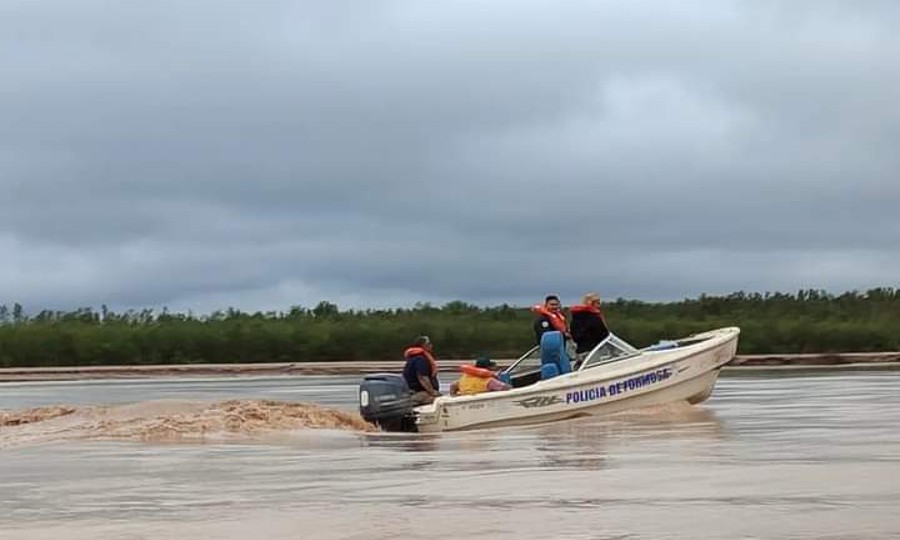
<point>549,318</point>
<point>588,324</point>
<point>421,370</point>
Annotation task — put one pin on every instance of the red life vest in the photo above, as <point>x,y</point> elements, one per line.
<point>557,320</point>
<point>590,308</point>
<point>416,351</point>
<point>582,308</point>
<point>469,369</point>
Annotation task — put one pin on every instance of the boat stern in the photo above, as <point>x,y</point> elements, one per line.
<point>428,417</point>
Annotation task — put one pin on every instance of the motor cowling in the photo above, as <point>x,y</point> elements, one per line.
<point>386,401</point>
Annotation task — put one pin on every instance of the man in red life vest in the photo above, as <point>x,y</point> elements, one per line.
<point>550,318</point>
<point>588,324</point>
<point>420,371</point>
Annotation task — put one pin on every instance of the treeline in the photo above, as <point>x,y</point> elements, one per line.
<point>809,321</point>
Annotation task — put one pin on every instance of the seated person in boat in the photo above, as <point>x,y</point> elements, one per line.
<point>420,371</point>
<point>482,377</point>
<point>549,318</point>
<point>588,324</point>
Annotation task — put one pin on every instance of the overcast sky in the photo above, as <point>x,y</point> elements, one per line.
<point>200,154</point>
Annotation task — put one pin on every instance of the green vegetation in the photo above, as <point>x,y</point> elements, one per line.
<point>809,321</point>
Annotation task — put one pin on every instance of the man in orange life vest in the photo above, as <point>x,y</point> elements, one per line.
<point>420,371</point>
<point>550,318</point>
<point>483,379</point>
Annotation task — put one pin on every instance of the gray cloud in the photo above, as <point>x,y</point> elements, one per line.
<point>381,153</point>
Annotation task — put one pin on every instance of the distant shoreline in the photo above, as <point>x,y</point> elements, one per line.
<point>757,361</point>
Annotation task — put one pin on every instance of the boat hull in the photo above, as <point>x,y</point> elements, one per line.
<point>651,378</point>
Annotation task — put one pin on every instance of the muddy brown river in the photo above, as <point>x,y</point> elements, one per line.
<point>793,455</point>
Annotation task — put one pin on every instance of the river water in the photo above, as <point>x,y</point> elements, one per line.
<point>771,455</point>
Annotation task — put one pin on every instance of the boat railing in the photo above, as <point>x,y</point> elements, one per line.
<point>528,355</point>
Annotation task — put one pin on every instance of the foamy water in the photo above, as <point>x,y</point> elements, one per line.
<point>774,456</point>
<point>170,421</point>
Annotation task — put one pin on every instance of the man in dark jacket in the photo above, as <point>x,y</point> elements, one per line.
<point>421,370</point>
<point>588,324</point>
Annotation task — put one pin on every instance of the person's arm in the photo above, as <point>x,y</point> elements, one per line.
<point>494,385</point>
<point>423,374</point>
<point>426,384</point>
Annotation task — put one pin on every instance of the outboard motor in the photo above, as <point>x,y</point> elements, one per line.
<point>385,400</point>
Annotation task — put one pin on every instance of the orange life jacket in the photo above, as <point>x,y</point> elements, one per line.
<point>557,320</point>
<point>416,351</point>
<point>476,371</point>
<point>587,308</point>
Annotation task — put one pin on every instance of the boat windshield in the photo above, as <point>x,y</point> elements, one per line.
<point>529,361</point>
<point>609,350</point>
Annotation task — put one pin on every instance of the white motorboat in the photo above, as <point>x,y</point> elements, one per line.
<point>614,376</point>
